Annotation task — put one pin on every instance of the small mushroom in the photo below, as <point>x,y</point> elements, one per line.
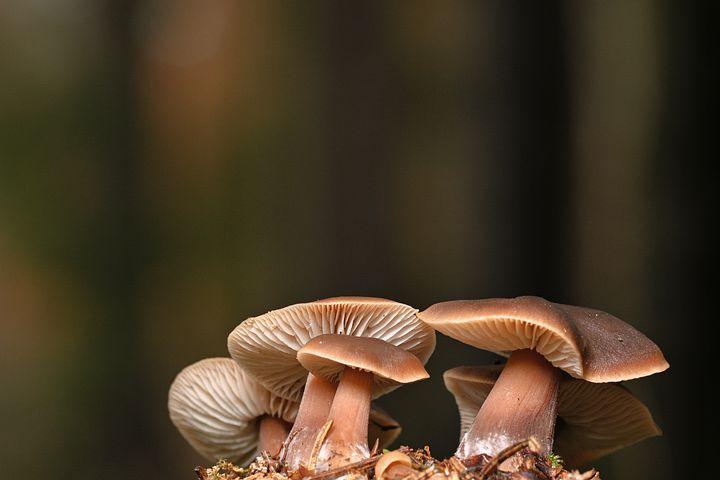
<point>225,414</point>
<point>542,339</point>
<point>266,347</point>
<point>393,465</point>
<point>362,367</point>
<point>594,419</point>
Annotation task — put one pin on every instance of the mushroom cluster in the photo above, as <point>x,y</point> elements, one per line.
<point>300,383</point>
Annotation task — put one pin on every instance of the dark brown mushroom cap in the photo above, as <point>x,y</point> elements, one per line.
<point>266,346</point>
<point>586,343</point>
<point>327,356</point>
<point>215,406</point>
<point>593,419</point>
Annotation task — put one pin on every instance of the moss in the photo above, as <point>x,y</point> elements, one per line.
<point>555,460</point>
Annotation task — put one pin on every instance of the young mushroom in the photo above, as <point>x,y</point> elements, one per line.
<point>363,368</point>
<point>542,339</point>
<point>594,419</point>
<point>266,347</point>
<point>225,414</point>
<point>393,465</point>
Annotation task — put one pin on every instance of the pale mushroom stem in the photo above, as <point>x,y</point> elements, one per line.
<point>311,417</point>
<point>346,441</point>
<point>522,403</point>
<point>273,432</point>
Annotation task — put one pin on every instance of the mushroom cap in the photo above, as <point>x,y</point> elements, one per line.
<point>382,427</point>
<point>390,459</point>
<point>598,419</point>
<point>216,406</point>
<point>266,346</point>
<point>470,386</point>
<point>327,356</point>
<point>593,419</point>
<point>586,343</point>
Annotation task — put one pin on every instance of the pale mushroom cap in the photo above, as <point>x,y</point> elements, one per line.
<point>470,386</point>
<point>586,343</point>
<point>215,406</point>
<point>597,420</point>
<point>327,356</point>
<point>382,427</point>
<point>593,419</point>
<point>266,346</point>
<point>389,459</point>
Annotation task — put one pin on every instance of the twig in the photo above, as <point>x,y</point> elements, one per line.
<point>375,448</point>
<point>589,475</point>
<point>319,439</point>
<point>286,443</point>
<point>504,454</point>
<point>427,473</point>
<point>537,472</point>
<point>457,465</point>
<point>271,463</point>
<point>199,471</point>
<point>339,471</point>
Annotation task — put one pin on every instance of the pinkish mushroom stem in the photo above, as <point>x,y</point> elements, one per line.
<point>273,432</point>
<point>522,403</point>
<point>311,417</point>
<point>346,441</point>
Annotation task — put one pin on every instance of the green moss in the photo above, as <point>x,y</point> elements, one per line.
<point>555,460</point>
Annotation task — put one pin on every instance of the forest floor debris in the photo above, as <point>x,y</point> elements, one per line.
<point>527,463</point>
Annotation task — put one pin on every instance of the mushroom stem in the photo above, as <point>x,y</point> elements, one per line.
<point>522,403</point>
<point>347,439</point>
<point>311,417</point>
<point>273,432</point>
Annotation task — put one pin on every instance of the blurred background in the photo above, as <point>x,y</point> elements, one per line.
<point>170,168</point>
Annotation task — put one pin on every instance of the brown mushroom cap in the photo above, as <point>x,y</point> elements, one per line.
<point>327,356</point>
<point>593,419</point>
<point>382,427</point>
<point>392,459</point>
<point>598,420</point>
<point>266,346</point>
<point>586,343</point>
<point>470,386</point>
<point>216,406</point>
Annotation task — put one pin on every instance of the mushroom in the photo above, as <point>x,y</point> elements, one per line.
<point>382,428</point>
<point>393,464</point>
<point>362,368</point>
<point>542,339</point>
<point>225,414</point>
<point>266,347</point>
<point>594,419</point>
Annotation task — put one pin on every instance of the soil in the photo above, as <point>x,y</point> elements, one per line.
<point>527,465</point>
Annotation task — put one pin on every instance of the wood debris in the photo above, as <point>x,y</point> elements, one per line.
<point>526,461</point>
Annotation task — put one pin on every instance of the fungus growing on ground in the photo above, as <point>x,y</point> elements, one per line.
<point>542,339</point>
<point>266,347</point>
<point>225,414</point>
<point>363,368</point>
<point>393,465</point>
<point>382,428</point>
<point>594,419</point>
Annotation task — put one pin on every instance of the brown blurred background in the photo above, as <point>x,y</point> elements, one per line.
<point>169,168</point>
